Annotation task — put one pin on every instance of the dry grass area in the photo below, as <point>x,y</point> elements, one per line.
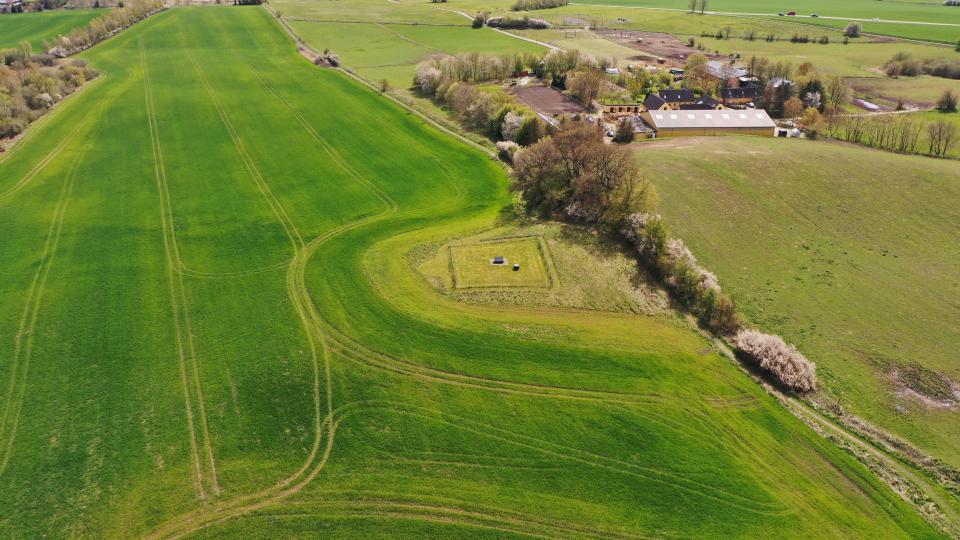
<point>585,274</point>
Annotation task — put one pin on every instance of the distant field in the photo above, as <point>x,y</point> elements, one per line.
<point>852,254</point>
<point>213,328</point>
<point>391,51</point>
<point>45,25</point>
<point>928,11</point>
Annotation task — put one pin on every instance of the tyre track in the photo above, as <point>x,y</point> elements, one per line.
<point>23,341</point>
<point>179,306</point>
<point>16,386</point>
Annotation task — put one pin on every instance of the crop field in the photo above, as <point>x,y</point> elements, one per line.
<point>35,28</point>
<point>849,253</point>
<point>212,329</point>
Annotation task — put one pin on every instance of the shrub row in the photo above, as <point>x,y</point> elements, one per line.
<point>693,286</point>
<point>530,5</point>
<point>904,64</point>
<point>103,27</point>
<point>31,84</point>
<point>521,23</point>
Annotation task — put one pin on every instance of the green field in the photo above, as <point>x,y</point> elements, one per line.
<point>35,28</point>
<point>213,328</point>
<point>851,254</point>
<point>902,19</point>
<point>392,51</point>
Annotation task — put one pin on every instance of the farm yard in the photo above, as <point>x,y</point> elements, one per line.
<point>849,253</point>
<point>214,329</point>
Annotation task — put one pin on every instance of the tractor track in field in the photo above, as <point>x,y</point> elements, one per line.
<point>23,342</point>
<point>178,304</point>
<point>23,350</point>
<point>569,453</point>
<point>321,335</point>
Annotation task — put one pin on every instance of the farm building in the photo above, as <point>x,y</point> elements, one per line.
<point>675,98</point>
<point>739,96</point>
<point>696,123</point>
<point>653,102</point>
<point>622,109</point>
<point>705,103</point>
<point>725,71</point>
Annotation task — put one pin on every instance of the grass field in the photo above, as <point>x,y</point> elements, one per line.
<point>35,28</point>
<point>896,18</point>
<point>392,51</point>
<point>213,329</point>
<point>472,264</point>
<point>849,253</point>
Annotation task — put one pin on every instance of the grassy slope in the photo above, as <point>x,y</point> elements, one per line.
<point>37,27</point>
<point>849,253</point>
<point>220,321</point>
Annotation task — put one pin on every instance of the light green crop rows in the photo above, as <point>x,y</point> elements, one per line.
<point>210,324</point>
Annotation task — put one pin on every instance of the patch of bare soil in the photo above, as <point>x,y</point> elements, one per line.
<point>547,101</point>
<point>927,387</point>
<point>654,45</point>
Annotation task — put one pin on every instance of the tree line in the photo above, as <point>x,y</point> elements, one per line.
<point>573,176</point>
<point>31,84</point>
<point>101,28</point>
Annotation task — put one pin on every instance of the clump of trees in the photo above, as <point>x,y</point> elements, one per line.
<point>947,102</point>
<point>694,287</point>
<point>328,59</point>
<point>521,23</point>
<point>574,175</point>
<point>31,84</point>
<point>446,80</point>
<point>853,30</point>
<point>778,358</point>
<point>624,133</point>
<point>103,27</point>
<point>529,5</point>
<point>904,64</point>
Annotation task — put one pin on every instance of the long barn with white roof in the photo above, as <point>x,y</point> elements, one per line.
<point>693,123</point>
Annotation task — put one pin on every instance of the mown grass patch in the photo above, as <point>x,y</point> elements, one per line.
<point>475,265</point>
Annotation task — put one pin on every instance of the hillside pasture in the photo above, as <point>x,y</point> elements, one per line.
<point>37,27</point>
<point>849,253</point>
<point>213,328</point>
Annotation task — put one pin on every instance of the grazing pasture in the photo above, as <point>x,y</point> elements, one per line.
<point>35,28</point>
<point>212,327</point>
<point>849,253</point>
<point>924,19</point>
